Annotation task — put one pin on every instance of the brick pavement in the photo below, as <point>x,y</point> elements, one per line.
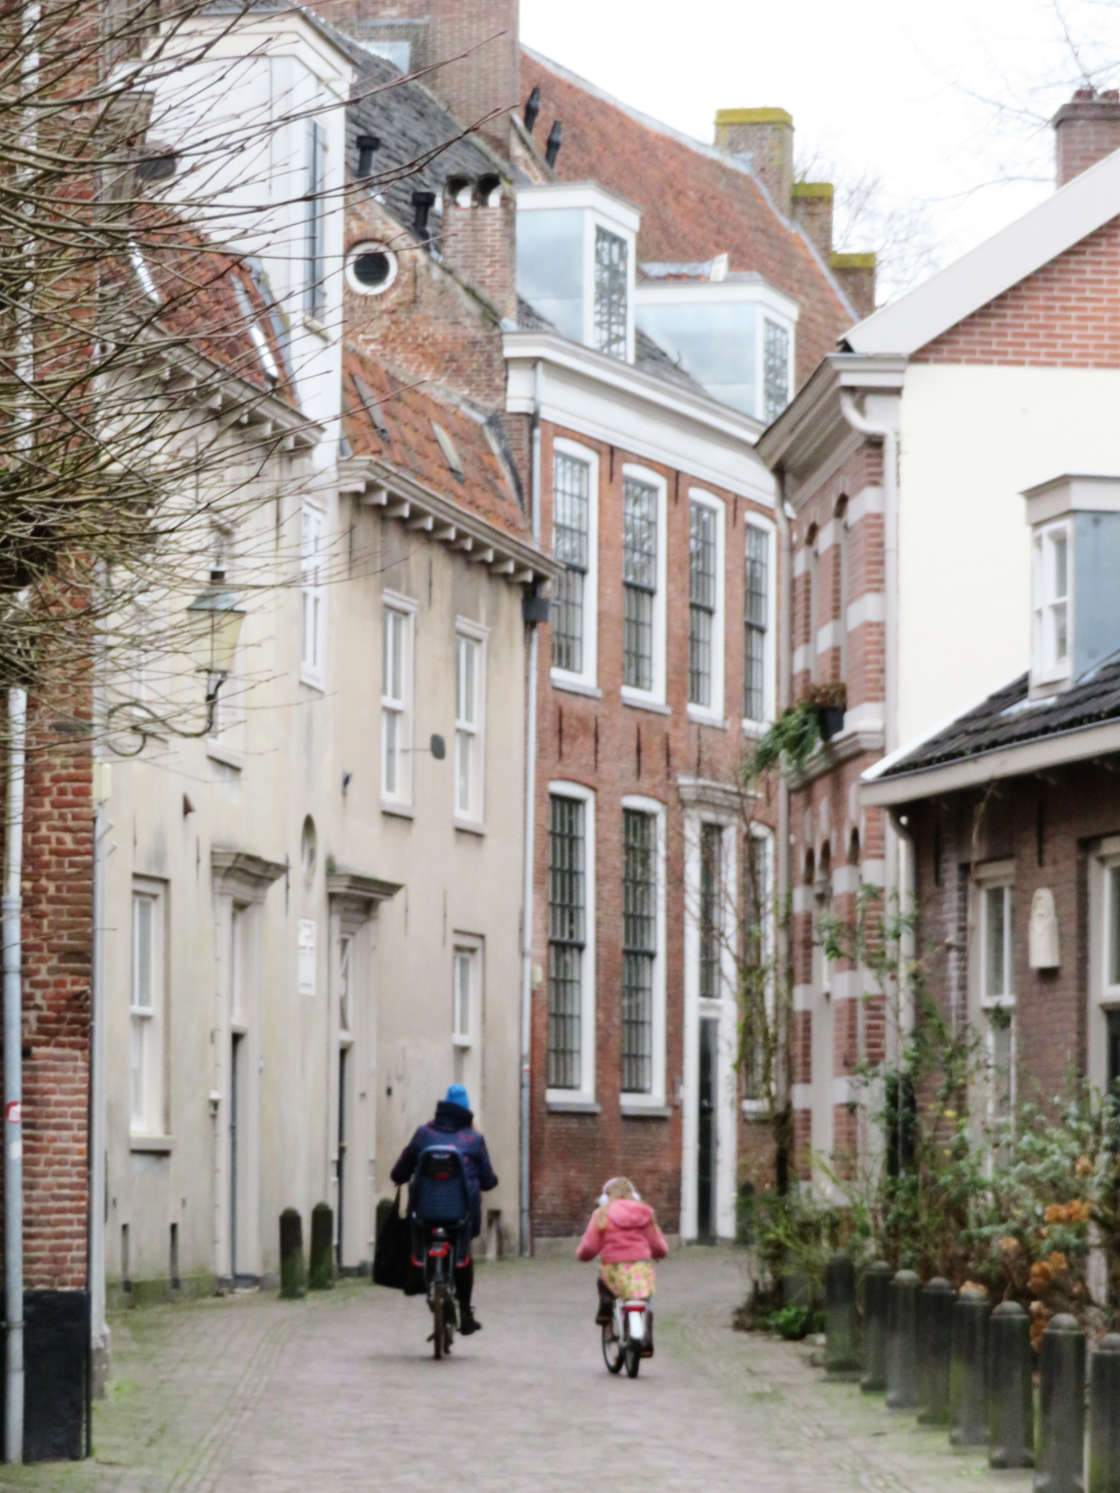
<point>339,1393</point>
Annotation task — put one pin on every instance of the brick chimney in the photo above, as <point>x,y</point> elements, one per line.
<point>438,31</point>
<point>1086,130</point>
<point>766,135</point>
<point>478,238</point>
<point>855,273</point>
<point>812,211</point>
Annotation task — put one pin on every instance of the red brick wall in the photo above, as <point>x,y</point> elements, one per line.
<point>57,970</point>
<point>1075,810</point>
<point>617,750</point>
<point>1065,315</point>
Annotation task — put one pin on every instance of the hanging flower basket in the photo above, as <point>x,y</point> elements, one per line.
<point>830,703</point>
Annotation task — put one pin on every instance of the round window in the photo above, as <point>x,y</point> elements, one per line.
<point>371,269</point>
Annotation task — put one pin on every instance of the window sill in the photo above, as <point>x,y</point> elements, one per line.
<point>461,1042</point>
<point>756,1109</point>
<point>755,728</point>
<point>560,1106</point>
<point>644,702</point>
<point>470,826</point>
<point>701,717</point>
<point>161,1145</point>
<point>226,756</point>
<point>575,686</point>
<point>631,1111</point>
<point>313,324</point>
<point>313,681</point>
<point>398,811</point>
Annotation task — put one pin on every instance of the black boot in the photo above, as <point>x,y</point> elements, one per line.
<point>606,1304</point>
<point>464,1286</point>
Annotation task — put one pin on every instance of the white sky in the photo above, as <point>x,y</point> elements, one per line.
<point>909,92</point>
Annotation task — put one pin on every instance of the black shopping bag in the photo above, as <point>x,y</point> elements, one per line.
<point>393,1251</point>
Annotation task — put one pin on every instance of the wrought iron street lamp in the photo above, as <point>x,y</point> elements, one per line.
<point>216,622</point>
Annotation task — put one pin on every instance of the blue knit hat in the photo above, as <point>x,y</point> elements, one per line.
<point>457,1094</point>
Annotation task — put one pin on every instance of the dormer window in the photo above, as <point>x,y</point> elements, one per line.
<point>1051,602</point>
<point>575,263</point>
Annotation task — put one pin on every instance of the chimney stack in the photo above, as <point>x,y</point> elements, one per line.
<point>855,274</point>
<point>472,49</point>
<point>478,239</point>
<point>812,212</point>
<point>766,135</point>
<point>1086,130</point>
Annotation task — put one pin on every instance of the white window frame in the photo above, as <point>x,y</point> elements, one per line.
<point>631,1101</point>
<point>756,521</point>
<point>468,947</point>
<point>1104,994</point>
<point>768,314</point>
<point>1047,667</point>
<point>656,694</point>
<point>995,876</point>
<point>401,707</point>
<point>713,714</point>
<point>763,835</point>
<point>585,1094</point>
<point>587,677</point>
<point>470,737</point>
<point>150,1118</point>
<point>313,594</point>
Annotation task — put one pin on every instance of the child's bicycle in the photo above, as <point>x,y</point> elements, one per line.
<point>628,1336</point>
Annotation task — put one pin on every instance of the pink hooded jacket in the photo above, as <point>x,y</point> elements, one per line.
<point>630,1234</point>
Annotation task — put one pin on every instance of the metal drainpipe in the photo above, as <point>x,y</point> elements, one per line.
<point>13,1076</point>
<point>898,847</point>
<point>102,829</point>
<point>530,821</point>
<point>785,696</point>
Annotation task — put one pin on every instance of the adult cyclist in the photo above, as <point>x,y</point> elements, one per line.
<point>453,1125</point>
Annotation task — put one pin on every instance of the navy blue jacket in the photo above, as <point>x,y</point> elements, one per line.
<point>452,1127</point>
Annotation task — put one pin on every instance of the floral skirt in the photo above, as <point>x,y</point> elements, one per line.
<point>630,1279</point>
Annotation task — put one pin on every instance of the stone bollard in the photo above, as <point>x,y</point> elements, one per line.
<point>320,1269</point>
<point>935,1330</point>
<point>1010,1396</point>
<point>841,1354</point>
<point>1061,1422</point>
<point>968,1369</point>
<point>902,1341</point>
<point>876,1289</point>
<point>291,1254</point>
<point>1104,1417</point>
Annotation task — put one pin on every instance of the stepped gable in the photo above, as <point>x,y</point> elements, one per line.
<point>395,423</point>
<point>696,201</point>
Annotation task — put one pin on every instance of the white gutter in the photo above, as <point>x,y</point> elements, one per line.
<point>530,821</point>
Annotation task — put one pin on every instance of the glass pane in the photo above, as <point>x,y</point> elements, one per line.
<point>462,994</point>
<point>639,944</point>
<point>344,945</point>
<point>1001,1051</point>
<point>637,637</point>
<point>1114,926</point>
<point>612,277</point>
<point>1059,562</point>
<point>702,556</point>
<point>570,516</point>
<point>711,909</point>
<point>775,355</point>
<point>465,681</point>
<point>639,534</point>
<point>699,656</point>
<point>550,266</point>
<point>995,941</point>
<point>139,1025</point>
<point>390,757</point>
<point>463,743</point>
<point>714,342</point>
<point>1061,632</point>
<point>142,909</point>
<point>567,621</point>
<point>566,924</point>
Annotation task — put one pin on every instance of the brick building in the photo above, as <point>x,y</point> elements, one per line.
<point>1013,814</point>
<point>902,459</point>
<point>671,301</point>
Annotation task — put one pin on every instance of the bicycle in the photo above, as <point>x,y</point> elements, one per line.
<point>440,1291</point>
<point>627,1337</point>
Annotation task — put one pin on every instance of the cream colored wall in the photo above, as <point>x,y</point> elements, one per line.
<point>972,439</point>
<point>250,793</point>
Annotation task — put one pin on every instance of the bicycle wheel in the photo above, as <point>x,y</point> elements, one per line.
<point>612,1348</point>
<point>438,1325</point>
<point>633,1352</point>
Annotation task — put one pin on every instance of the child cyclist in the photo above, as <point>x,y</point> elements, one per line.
<point>623,1232</point>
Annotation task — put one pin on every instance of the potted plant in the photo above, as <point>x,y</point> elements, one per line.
<point>829,701</point>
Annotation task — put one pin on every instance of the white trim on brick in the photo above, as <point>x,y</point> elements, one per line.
<point>870,607</point>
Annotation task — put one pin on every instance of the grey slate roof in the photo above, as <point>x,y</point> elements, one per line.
<point>421,143</point>
<point>1009,718</point>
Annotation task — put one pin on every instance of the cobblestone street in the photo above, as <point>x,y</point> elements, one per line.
<point>339,1393</point>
